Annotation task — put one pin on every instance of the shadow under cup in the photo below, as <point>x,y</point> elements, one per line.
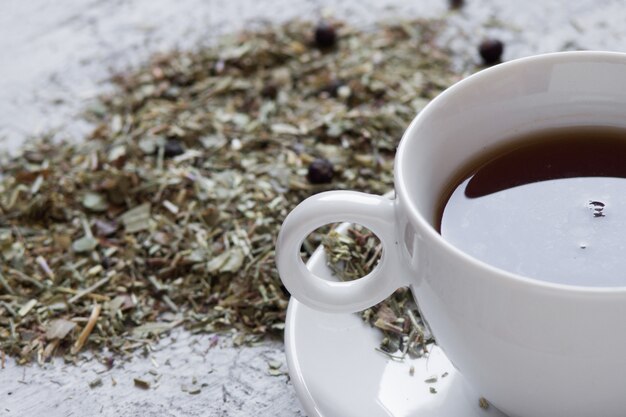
<point>532,348</point>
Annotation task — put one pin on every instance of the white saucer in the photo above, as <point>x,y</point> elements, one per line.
<point>337,372</point>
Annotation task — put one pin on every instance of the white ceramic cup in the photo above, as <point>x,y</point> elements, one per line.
<point>532,348</point>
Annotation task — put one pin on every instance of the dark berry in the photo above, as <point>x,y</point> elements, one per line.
<point>332,88</point>
<point>269,91</point>
<point>491,51</point>
<point>325,35</point>
<point>173,148</point>
<point>109,361</point>
<point>320,171</point>
<point>105,262</point>
<point>456,4</point>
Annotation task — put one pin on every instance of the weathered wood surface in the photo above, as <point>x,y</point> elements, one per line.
<point>56,56</point>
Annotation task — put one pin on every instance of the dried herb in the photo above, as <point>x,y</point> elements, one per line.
<point>352,255</point>
<point>141,383</point>
<point>95,383</point>
<point>274,368</point>
<point>167,213</point>
<point>483,403</point>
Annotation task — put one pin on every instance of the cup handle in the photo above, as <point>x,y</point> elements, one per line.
<point>374,212</point>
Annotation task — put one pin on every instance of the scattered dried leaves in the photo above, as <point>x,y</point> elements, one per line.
<point>167,213</point>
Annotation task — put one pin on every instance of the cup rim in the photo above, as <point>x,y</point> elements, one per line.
<point>428,229</point>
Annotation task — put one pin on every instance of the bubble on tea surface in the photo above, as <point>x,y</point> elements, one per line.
<point>597,207</point>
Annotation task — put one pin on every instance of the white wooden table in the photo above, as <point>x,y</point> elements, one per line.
<point>55,56</point>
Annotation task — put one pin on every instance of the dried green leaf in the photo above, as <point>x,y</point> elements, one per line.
<point>283,128</point>
<point>150,144</point>
<point>84,244</point>
<point>141,383</point>
<point>228,261</point>
<point>59,328</point>
<point>153,328</point>
<point>26,308</point>
<point>95,202</point>
<point>95,383</point>
<point>137,219</point>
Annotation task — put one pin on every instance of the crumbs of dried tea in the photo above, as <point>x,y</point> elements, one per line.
<point>483,403</point>
<point>167,213</point>
<point>352,254</point>
<point>95,383</point>
<point>141,383</point>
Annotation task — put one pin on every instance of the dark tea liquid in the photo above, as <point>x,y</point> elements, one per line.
<point>550,206</point>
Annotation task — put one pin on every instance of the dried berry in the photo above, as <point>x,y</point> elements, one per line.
<point>108,361</point>
<point>332,88</point>
<point>269,91</point>
<point>456,4</point>
<point>491,51</point>
<point>173,148</point>
<point>325,35</point>
<point>320,171</point>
